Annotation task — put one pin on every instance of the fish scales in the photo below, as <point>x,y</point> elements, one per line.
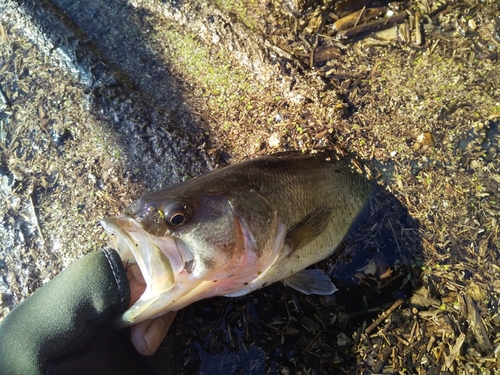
<point>298,184</point>
<point>239,228</point>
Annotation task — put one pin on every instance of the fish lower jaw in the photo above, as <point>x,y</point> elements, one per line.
<point>131,316</point>
<point>156,303</point>
<point>153,304</point>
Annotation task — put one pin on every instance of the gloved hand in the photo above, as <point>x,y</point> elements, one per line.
<point>65,326</point>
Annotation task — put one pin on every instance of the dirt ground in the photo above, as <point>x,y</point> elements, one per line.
<point>103,101</point>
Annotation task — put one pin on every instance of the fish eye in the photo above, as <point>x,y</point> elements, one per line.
<point>177,219</point>
<point>176,214</point>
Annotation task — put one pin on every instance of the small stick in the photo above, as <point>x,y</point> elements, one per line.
<point>381,318</point>
<point>36,220</point>
<point>394,234</point>
<point>360,15</point>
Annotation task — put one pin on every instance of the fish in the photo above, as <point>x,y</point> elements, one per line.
<point>238,229</point>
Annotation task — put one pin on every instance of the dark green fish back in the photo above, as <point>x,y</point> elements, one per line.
<point>298,184</point>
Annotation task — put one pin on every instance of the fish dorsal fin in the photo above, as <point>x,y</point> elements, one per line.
<point>311,281</point>
<point>310,227</point>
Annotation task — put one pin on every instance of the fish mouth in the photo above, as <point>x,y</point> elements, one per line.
<point>164,264</point>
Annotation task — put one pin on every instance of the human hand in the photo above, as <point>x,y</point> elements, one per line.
<point>148,335</point>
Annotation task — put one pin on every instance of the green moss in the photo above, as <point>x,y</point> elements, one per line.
<point>246,11</point>
<point>224,82</point>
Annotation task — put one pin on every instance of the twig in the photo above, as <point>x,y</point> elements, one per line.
<point>455,351</point>
<point>394,233</point>
<point>381,318</point>
<point>360,15</point>
<point>37,224</point>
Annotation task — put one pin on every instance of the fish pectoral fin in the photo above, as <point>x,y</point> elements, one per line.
<point>311,281</point>
<point>310,227</point>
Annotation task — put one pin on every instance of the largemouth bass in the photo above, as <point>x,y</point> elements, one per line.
<point>238,229</point>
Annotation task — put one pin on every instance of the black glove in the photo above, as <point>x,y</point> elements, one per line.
<point>65,326</point>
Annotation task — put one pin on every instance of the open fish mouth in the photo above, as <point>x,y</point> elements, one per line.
<point>167,264</point>
<point>161,260</point>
